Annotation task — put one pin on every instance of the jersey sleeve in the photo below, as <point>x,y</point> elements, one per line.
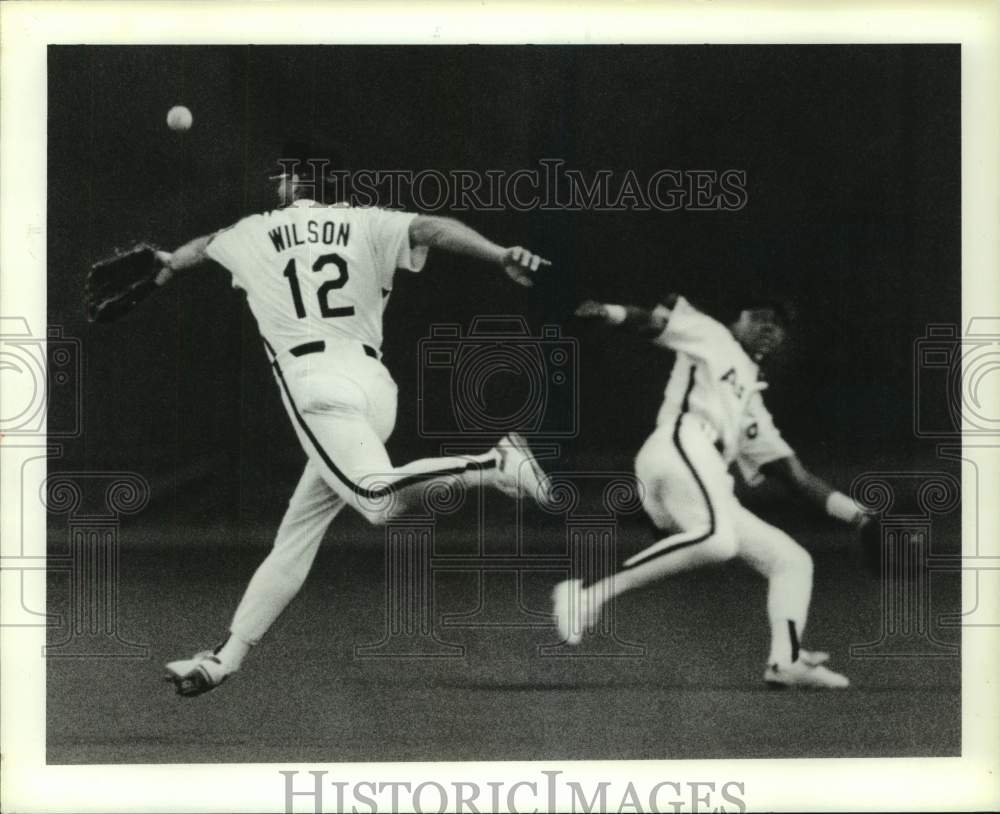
<point>390,235</point>
<point>688,330</point>
<point>230,248</point>
<point>760,441</point>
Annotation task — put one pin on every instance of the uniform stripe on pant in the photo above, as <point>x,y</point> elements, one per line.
<point>370,494</point>
<point>700,538</point>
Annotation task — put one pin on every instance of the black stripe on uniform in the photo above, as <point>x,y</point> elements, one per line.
<point>701,486</point>
<point>371,494</point>
<point>793,635</point>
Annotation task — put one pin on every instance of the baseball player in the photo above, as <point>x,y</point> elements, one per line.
<point>713,414</point>
<point>317,277</point>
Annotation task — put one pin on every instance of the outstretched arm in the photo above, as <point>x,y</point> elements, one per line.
<point>188,256</point>
<point>814,490</point>
<point>632,317</point>
<point>452,236</point>
<point>118,283</point>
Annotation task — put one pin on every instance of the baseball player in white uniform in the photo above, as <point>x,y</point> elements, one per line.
<point>713,415</point>
<point>317,278</point>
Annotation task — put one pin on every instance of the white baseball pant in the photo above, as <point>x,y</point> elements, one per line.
<point>687,488</point>
<point>342,403</point>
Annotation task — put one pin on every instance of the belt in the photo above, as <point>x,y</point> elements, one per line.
<point>320,346</point>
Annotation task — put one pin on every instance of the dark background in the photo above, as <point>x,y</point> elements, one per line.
<point>852,158</point>
<point>852,162</point>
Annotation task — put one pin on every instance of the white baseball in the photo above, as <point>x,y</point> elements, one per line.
<point>179,118</point>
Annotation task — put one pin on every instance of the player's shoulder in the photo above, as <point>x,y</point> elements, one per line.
<point>246,222</point>
<point>380,212</point>
<point>675,303</point>
<point>678,308</point>
<point>343,210</point>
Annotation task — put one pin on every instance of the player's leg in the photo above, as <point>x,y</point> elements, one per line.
<point>348,452</point>
<point>788,569</point>
<point>686,487</point>
<point>277,580</point>
<point>342,420</point>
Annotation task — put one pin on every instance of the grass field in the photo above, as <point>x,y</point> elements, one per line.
<point>303,695</point>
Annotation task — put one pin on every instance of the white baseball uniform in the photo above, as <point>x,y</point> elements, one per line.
<point>317,278</point>
<point>713,415</point>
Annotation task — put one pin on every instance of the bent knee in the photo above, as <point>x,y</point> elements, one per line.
<point>799,559</point>
<point>722,545</point>
<point>378,506</point>
<point>790,557</point>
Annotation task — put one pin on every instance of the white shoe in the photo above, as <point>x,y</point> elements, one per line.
<point>575,610</point>
<point>197,675</point>
<point>518,473</point>
<point>802,674</point>
<point>814,658</point>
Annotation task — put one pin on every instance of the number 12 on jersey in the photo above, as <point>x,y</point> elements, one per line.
<point>323,292</point>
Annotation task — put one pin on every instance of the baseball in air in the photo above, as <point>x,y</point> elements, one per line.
<point>179,118</point>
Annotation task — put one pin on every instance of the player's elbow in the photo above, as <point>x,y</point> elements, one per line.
<point>428,230</point>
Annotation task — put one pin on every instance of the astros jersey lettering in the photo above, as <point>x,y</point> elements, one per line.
<point>717,382</point>
<point>312,271</point>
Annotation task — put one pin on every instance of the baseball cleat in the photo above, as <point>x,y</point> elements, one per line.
<point>804,675</point>
<point>519,472</point>
<point>568,599</point>
<point>197,675</point>
<point>814,658</point>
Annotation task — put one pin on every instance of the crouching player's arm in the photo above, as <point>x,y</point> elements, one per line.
<point>815,491</point>
<point>632,317</point>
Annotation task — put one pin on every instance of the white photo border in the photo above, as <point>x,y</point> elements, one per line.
<point>966,783</point>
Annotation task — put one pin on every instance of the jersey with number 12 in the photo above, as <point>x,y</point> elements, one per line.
<point>312,271</point>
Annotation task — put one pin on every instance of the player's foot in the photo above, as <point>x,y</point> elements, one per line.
<point>814,658</point>
<point>802,674</point>
<point>196,675</point>
<point>519,474</point>
<point>567,607</point>
<point>575,610</point>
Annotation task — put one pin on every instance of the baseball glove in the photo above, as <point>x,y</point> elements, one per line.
<point>116,284</point>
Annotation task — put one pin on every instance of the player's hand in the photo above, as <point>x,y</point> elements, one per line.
<point>520,264</point>
<point>591,309</point>
<point>166,273</point>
